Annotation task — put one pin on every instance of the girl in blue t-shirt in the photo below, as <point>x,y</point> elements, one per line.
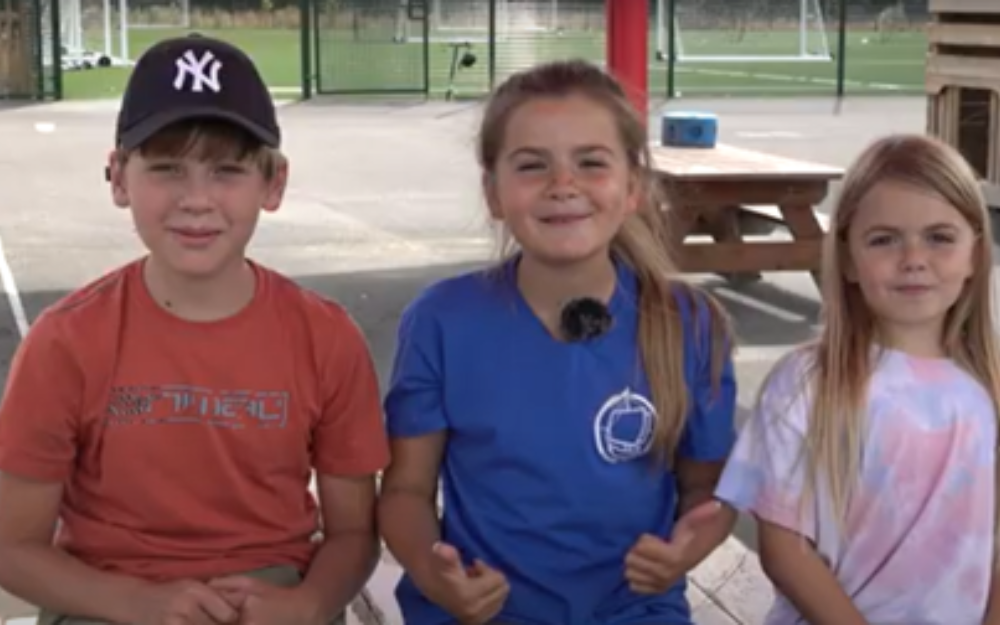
<point>576,402</point>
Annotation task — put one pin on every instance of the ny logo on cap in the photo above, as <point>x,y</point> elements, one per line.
<point>198,73</point>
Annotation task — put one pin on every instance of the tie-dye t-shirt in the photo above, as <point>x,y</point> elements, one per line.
<point>916,546</point>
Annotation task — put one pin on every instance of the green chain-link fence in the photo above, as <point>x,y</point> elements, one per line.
<point>461,48</point>
<point>788,47</point>
<point>449,48</point>
<point>29,50</point>
<point>696,47</point>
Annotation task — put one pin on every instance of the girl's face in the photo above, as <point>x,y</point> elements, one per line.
<point>911,253</point>
<point>562,184</point>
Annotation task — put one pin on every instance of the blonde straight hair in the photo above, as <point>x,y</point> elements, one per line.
<point>842,363</point>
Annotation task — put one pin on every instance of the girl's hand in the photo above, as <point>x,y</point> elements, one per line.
<point>473,595</point>
<point>654,565</point>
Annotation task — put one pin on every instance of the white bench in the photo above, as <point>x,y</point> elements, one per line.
<point>12,610</point>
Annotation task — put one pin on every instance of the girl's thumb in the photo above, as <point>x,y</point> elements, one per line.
<point>447,556</point>
<point>699,515</point>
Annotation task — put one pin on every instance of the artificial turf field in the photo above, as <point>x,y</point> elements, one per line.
<point>374,63</point>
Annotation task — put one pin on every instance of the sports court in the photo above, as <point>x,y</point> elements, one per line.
<point>724,48</point>
<point>384,200</point>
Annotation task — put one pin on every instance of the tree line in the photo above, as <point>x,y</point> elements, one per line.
<point>732,9</point>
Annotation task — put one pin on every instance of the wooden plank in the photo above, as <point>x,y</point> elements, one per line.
<point>729,162</point>
<point>953,69</point>
<point>681,221</point>
<point>950,114</point>
<point>750,257</point>
<point>753,219</point>
<point>737,192</point>
<point>991,191</point>
<point>935,127</point>
<point>722,225</point>
<point>993,158</point>
<point>937,83</point>
<point>931,116</point>
<point>950,33</point>
<point>16,68</point>
<point>945,114</point>
<point>991,7</point>
<point>801,220</point>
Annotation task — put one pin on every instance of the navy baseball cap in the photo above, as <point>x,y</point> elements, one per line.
<point>195,77</point>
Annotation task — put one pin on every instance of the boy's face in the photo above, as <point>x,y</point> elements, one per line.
<point>197,211</point>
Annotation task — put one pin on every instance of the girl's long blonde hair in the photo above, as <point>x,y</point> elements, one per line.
<point>842,366</point>
<point>642,242</point>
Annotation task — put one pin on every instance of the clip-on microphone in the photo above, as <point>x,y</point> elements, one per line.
<point>584,318</point>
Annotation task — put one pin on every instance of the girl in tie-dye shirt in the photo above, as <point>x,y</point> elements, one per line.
<point>869,462</point>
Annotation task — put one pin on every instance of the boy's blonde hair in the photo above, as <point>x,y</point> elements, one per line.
<point>642,242</point>
<point>210,140</point>
<point>842,364</point>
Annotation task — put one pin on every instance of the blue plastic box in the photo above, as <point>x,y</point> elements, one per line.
<point>689,129</point>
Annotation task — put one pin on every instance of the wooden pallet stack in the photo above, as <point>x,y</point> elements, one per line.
<point>963,83</point>
<point>16,67</point>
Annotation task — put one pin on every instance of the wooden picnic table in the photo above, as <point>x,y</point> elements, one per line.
<point>728,192</point>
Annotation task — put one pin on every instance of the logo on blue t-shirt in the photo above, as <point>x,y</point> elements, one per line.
<point>623,427</point>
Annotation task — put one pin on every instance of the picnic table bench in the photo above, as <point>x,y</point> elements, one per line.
<point>728,192</point>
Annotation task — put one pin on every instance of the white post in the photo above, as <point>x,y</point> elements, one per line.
<point>108,48</point>
<point>123,29</point>
<point>74,24</point>
<point>661,29</point>
<point>803,33</point>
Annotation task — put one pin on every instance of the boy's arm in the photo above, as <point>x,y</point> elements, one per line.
<point>350,549</point>
<point>350,447</point>
<point>36,571</point>
<point>32,569</point>
<point>796,570</point>
<point>38,424</point>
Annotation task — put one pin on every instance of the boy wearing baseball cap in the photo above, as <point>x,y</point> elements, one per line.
<point>168,416</point>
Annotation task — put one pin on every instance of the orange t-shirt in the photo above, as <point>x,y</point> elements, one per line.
<point>186,448</point>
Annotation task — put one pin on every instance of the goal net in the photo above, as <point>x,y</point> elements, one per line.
<point>163,14</point>
<point>90,34</point>
<point>96,33</point>
<point>742,31</point>
<point>469,20</point>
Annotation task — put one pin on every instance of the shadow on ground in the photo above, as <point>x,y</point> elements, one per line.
<point>376,300</point>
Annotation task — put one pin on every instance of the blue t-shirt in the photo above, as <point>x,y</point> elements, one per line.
<point>546,474</point>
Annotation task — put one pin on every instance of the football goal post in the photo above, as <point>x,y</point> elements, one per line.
<point>740,31</point>
<point>95,33</point>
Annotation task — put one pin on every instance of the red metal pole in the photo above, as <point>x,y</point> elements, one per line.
<point>628,48</point>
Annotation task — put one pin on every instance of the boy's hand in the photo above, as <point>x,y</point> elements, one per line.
<point>653,565</point>
<point>183,603</point>
<point>261,603</point>
<point>473,595</point>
